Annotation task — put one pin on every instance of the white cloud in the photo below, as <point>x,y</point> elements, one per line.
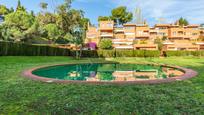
<point>171,10</point>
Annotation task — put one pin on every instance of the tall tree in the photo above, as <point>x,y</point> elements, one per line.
<point>18,23</point>
<point>120,15</point>
<point>20,7</point>
<point>183,22</point>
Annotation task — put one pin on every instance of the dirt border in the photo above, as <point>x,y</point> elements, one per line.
<point>188,73</point>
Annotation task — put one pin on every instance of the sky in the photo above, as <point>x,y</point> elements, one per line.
<point>152,10</point>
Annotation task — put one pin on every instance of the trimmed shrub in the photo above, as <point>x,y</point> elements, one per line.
<point>106,53</point>
<point>124,53</point>
<point>106,44</point>
<point>184,53</point>
<point>146,53</point>
<point>151,53</point>
<point>139,53</point>
<point>90,53</point>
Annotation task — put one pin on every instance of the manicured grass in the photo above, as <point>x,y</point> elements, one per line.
<point>23,96</point>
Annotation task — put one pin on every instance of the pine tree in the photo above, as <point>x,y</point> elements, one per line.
<point>20,7</point>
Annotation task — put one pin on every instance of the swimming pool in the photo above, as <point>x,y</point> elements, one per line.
<point>110,73</point>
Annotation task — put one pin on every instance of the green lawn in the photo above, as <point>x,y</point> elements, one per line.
<point>23,96</point>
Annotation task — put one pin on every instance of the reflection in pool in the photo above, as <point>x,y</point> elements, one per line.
<point>107,72</point>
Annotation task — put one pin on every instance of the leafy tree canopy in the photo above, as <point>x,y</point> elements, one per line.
<point>20,7</point>
<point>183,22</point>
<point>3,10</point>
<point>43,5</point>
<point>53,31</point>
<point>19,19</point>
<point>120,15</point>
<point>104,18</point>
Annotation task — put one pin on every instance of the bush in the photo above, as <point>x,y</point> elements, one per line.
<point>146,53</point>
<point>151,53</point>
<point>89,53</point>
<point>106,53</point>
<point>106,44</point>
<point>124,53</point>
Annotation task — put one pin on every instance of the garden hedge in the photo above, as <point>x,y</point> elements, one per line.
<point>184,53</point>
<point>119,53</point>
<point>19,49</point>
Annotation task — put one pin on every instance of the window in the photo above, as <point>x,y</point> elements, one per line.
<point>139,32</point>
<point>194,34</point>
<point>129,28</point>
<point>110,25</point>
<point>174,33</point>
<point>195,28</point>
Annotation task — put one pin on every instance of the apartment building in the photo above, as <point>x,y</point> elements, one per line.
<point>92,35</point>
<point>106,29</point>
<point>142,37</point>
<point>159,31</point>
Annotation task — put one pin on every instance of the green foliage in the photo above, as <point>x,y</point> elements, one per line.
<point>106,76</point>
<point>146,53</point>
<point>104,18</point>
<point>18,49</point>
<point>3,10</point>
<point>17,25</point>
<point>43,5</point>
<point>159,42</point>
<point>84,23</point>
<point>183,22</point>
<point>53,32</point>
<point>125,53</point>
<point>143,42</point>
<point>46,18</point>
<point>106,44</point>
<point>120,15</point>
<point>118,53</point>
<point>20,19</point>
<point>20,7</point>
<point>64,25</point>
<point>106,53</point>
<point>184,53</point>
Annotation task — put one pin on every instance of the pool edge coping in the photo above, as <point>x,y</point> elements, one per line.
<point>188,74</point>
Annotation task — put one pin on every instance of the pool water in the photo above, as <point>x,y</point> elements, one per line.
<point>107,72</point>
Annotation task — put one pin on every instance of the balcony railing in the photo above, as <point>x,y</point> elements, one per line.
<point>106,35</point>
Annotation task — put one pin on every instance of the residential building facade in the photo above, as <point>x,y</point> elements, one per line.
<point>142,37</point>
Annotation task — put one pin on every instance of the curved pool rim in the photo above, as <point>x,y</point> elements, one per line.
<point>188,73</point>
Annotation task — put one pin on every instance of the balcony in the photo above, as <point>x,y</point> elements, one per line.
<point>118,30</point>
<point>123,46</point>
<point>129,33</point>
<point>106,35</point>
<point>142,35</point>
<point>106,28</point>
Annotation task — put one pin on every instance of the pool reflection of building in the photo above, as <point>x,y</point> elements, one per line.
<point>171,72</point>
<point>124,75</point>
<point>134,75</point>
